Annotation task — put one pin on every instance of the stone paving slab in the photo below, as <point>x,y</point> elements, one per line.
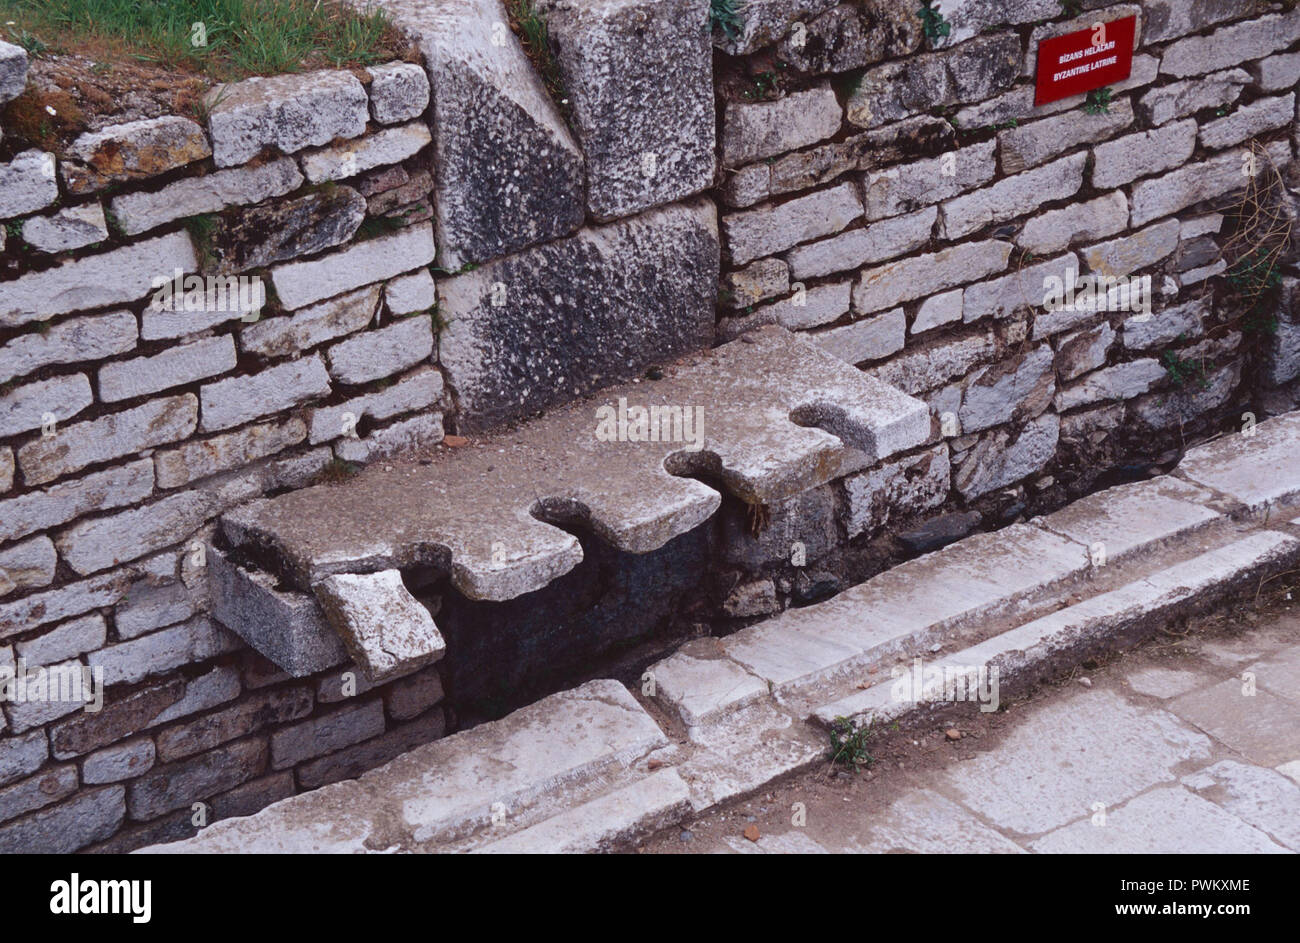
<point>789,843</point>
<point>1280,674</point>
<point>700,684</point>
<point>924,822</point>
<point>1087,748</point>
<point>1258,470</point>
<point>1168,820</point>
<point>1260,797</point>
<point>475,507</point>
<point>747,749</point>
<point>1163,683</point>
<point>1261,727</point>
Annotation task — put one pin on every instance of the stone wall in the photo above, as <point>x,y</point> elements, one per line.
<point>129,420</point>
<point>460,243</point>
<point>900,198</point>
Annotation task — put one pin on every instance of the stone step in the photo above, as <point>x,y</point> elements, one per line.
<point>936,598</point>
<point>530,766</point>
<point>769,416</point>
<point>1047,646</point>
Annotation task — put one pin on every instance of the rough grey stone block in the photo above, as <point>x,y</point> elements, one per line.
<point>551,323</point>
<point>507,171</point>
<point>399,91</point>
<point>752,131</point>
<point>97,544</point>
<point>27,407</point>
<point>113,436</point>
<point>86,818</point>
<point>288,628</point>
<point>139,212</point>
<point>389,146</point>
<point>304,329</point>
<point>13,71</point>
<point>386,630</point>
<point>96,281</point>
<point>133,151</point>
<point>73,228</point>
<point>639,78</point>
<point>287,112</point>
<point>127,379</point>
<point>100,491</point>
<point>229,402</point>
<point>362,263</point>
<point>763,22</point>
<point>381,353</point>
<point>27,184</point>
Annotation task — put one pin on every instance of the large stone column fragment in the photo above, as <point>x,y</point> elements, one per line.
<point>639,75</point>
<point>508,173</point>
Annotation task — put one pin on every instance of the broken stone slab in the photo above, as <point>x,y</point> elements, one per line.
<point>385,629</point>
<point>448,790</point>
<point>747,412</point>
<point>639,78</point>
<point>603,824</point>
<point>288,628</point>
<point>700,684</point>
<point>136,150</point>
<point>1257,467</point>
<point>13,71</point>
<point>285,112</point>
<point>538,328</point>
<point>507,171</point>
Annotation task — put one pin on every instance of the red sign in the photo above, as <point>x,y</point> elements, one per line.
<point>1081,61</point>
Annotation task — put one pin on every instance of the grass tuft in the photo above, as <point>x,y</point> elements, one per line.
<point>223,39</point>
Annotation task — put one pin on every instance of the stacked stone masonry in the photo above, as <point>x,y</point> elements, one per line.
<point>440,246</point>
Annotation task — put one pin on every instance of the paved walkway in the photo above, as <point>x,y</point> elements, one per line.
<point>1187,745</point>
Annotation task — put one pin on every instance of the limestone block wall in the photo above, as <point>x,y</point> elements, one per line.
<point>893,192</point>
<point>195,314</point>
